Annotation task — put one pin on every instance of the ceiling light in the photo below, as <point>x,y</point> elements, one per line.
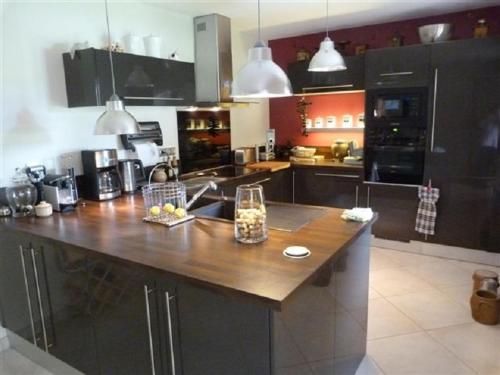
<point>327,59</point>
<point>115,120</point>
<point>260,77</point>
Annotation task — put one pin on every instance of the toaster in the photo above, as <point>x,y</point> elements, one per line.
<point>244,155</point>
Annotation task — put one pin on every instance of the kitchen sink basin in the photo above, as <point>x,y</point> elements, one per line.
<point>198,182</point>
<point>280,216</point>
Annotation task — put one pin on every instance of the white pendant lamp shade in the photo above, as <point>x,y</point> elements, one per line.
<point>116,120</point>
<point>327,59</point>
<point>261,77</point>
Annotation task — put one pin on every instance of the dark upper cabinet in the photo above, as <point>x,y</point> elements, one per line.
<point>397,67</point>
<point>304,81</point>
<point>140,80</point>
<point>328,187</point>
<point>463,156</point>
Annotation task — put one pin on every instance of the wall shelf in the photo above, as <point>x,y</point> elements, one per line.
<point>333,130</point>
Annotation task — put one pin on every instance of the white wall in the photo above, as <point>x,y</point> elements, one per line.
<point>37,125</point>
<point>248,125</point>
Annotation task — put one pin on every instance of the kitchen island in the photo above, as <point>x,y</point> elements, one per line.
<point>106,293</point>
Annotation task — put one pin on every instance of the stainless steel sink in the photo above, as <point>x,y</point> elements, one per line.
<point>198,182</point>
<point>280,216</point>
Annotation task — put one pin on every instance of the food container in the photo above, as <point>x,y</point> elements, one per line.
<point>485,307</point>
<point>43,209</point>
<point>303,152</point>
<point>318,122</point>
<point>480,276</point>
<point>152,46</point>
<point>438,32</point>
<point>250,224</point>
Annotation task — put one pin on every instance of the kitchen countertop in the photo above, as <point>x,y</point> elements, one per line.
<point>202,250</point>
<point>330,163</point>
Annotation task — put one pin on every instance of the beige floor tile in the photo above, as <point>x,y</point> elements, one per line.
<point>384,320</point>
<point>469,266</point>
<point>416,353</point>
<point>373,294</point>
<point>476,345</point>
<point>379,260</point>
<point>460,294</point>
<point>405,259</point>
<point>397,281</point>
<point>442,274</point>
<point>432,309</point>
<point>13,363</point>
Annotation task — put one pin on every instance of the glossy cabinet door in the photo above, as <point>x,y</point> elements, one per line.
<point>328,187</point>
<point>222,336</point>
<point>17,288</point>
<point>63,276</point>
<point>463,158</point>
<point>397,67</point>
<point>124,306</point>
<point>304,82</point>
<point>140,80</point>
<point>396,207</point>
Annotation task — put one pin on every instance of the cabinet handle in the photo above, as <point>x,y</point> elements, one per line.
<point>434,102</point>
<point>170,334</point>
<point>337,175</point>
<point>395,74</point>
<point>357,195</point>
<point>261,181</point>
<point>39,295</point>
<point>304,89</point>
<point>30,310</point>
<point>293,187</point>
<point>150,98</point>
<point>368,196</point>
<point>150,333</point>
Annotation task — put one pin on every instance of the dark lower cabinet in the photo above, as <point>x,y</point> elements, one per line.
<point>396,207</point>
<point>277,185</point>
<point>327,187</point>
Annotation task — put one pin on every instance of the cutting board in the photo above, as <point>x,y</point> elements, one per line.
<point>272,166</point>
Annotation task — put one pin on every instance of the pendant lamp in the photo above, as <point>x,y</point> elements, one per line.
<point>116,119</point>
<point>327,59</point>
<point>260,77</point>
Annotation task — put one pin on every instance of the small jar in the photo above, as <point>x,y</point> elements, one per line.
<point>43,209</point>
<point>250,224</point>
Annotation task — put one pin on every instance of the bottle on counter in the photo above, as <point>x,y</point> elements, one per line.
<point>250,224</point>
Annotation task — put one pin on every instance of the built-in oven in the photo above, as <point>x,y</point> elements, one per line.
<point>396,135</point>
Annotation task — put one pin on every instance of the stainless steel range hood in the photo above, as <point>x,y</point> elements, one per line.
<point>213,66</point>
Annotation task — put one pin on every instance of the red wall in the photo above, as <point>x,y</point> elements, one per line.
<point>282,111</point>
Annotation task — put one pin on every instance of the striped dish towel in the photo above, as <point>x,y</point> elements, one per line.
<point>426,213</point>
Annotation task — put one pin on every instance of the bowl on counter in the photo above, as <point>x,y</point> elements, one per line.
<point>303,152</point>
<point>438,32</point>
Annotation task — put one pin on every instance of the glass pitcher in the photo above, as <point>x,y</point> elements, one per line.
<point>250,225</point>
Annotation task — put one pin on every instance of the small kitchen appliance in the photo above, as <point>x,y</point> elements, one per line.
<point>60,191</point>
<point>244,155</point>
<point>101,180</point>
<point>131,171</point>
<point>36,174</point>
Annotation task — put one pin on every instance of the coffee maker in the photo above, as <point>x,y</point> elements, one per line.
<point>101,178</point>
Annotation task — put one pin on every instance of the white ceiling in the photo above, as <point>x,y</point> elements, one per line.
<point>282,18</point>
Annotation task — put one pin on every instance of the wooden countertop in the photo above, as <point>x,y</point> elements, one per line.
<point>203,251</point>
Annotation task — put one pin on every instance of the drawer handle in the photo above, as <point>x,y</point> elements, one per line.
<point>261,181</point>
<point>170,330</point>
<point>30,310</point>
<point>337,175</point>
<point>150,333</point>
<point>328,87</point>
<point>150,98</point>
<point>396,74</point>
<point>39,296</point>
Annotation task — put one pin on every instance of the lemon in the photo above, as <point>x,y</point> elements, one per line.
<point>169,208</point>
<point>155,211</point>
<point>180,213</point>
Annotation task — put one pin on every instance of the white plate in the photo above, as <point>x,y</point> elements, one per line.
<point>296,252</point>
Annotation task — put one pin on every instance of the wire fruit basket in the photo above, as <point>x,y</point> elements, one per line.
<point>165,202</point>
